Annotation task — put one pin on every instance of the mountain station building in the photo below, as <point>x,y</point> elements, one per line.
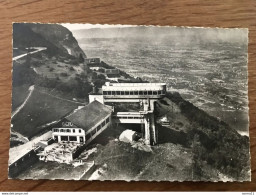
<point>84,124</point>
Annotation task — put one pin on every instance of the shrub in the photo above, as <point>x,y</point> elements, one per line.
<point>64,74</point>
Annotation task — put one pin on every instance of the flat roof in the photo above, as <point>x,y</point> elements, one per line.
<point>132,86</point>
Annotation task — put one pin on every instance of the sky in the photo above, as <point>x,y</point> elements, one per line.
<point>88,26</point>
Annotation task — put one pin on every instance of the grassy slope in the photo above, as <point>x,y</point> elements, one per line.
<point>189,149</point>
<point>40,109</point>
<point>19,94</point>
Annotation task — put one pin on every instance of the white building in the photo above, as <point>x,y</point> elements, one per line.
<point>144,94</point>
<point>83,125</point>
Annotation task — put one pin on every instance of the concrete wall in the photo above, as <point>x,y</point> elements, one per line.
<point>82,148</point>
<point>99,98</point>
<point>22,164</point>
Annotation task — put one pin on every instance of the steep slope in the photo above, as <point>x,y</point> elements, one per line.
<point>195,146</point>
<point>213,142</point>
<point>59,36</point>
<point>59,77</point>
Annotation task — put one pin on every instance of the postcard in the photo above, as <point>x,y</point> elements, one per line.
<point>132,103</point>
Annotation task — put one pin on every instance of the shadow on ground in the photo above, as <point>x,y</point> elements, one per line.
<point>167,135</point>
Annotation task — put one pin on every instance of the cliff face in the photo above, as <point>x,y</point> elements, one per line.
<point>59,36</point>
<point>59,66</point>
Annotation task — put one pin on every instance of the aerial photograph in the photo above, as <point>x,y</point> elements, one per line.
<point>132,103</point>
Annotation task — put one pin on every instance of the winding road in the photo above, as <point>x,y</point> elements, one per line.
<point>37,49</point>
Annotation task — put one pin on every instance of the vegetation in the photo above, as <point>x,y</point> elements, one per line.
<point>40,109</point>
<point>212,141</point>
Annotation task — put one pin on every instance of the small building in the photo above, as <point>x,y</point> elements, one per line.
<point>112,71</point>
<point>92,61</point>
<point>83,125</point>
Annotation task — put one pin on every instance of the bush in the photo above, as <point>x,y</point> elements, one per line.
<point>64,74</point>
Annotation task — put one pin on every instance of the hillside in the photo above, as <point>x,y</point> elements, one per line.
<point>49,84</point>
<point>57,74</point>
<point>59,36</point>
<point>195,146</point>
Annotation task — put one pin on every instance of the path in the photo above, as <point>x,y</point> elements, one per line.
<point>32,52</point>
<point>16,152</point>
<point>31,89</point>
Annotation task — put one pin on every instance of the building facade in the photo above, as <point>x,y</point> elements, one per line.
<point>143,94</point>
<point>83,125</point>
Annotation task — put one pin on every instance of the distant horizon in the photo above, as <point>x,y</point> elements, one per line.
<point>77,26</point>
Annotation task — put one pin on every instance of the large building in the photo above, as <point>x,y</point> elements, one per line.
<point>84,124</point>
<point>133,103</point>
<point>127,103</point>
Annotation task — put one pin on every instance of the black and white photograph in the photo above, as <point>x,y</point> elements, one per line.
<point>127,102</point>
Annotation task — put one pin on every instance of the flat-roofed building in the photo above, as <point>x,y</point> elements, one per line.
<point>92,61</point>
<point>133,92</point>
<point>84,124</point>
<point>143,94</point>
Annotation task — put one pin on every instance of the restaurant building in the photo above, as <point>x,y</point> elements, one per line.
<point>84,124</point>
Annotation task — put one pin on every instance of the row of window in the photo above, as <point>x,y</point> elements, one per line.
<point>67,130</point>
<point>74,138</point>
<point>160,92</point>
<point>128,117</point>
<point>89,135</point>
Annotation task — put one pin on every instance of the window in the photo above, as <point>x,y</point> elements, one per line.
<point>98,128</point>
<point>72,138</point>
<point>61,130</point>
<point>74,130</point>
<point>64,138</point>
<point>136,92</point>
<point>103,124</point>
<point>105,93</point>
<point>141,92</point>
<point>79,130</point>
<point>122,92</point>
<point>159,92</point>
<point>145,93</point>
<point>88,136</point>
<point>150,92</point>
<point>131,92</point>
<point>109,92</point>
<point>126,92</point>
<point>113,93</point>
<point>93,132</point>
<point>107,120</point>
<point>154,92</point>
<point>118,92</point>
<point>68,130</point>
